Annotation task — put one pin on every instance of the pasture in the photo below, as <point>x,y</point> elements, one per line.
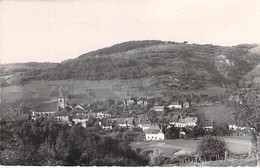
<point>168,147</point>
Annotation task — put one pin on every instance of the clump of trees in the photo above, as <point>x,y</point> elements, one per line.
<point>211,148</point>
<point>44,142</point>
<point>247,115</point>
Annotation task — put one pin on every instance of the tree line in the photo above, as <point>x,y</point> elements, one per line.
<point>45,142</point>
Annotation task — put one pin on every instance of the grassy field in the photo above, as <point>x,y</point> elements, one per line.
<point>168,147</point>
<point>225,163</point>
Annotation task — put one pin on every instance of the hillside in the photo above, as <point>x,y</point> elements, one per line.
<point>23,67</point>
<point>190,66</point>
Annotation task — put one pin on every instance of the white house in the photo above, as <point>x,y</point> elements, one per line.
<point>175,106</point>
<point>159,108</point>
<point>126,122</point>
<point>129,101</point>
<point>154,133</point>
<point>142,102</point>
<point>103,115</point>
<point>82,121</point>
<point>62,116</point>
<point>185,122</point>
<point>186,105</point>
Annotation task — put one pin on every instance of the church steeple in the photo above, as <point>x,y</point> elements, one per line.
<point>61,98</point>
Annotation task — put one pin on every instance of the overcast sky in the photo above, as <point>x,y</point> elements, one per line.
<point>58,30</point>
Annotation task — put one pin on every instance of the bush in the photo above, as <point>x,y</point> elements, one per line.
<point>210,147</point>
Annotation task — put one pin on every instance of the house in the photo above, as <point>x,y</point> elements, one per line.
<point>154,133</point>
<point>106,124</point>
<point>81,117</point>
<point>174,105</point>
<point>79,107</point>
<point>143,121</point>
<point>186,122</point>
<point>101,115</point>
<point>129,122</point>
<point>80,114</point>
<point>186,105</point>
<point>142,102</point>
<point>235,98</point>
<point>159,108</point>
<point>207,128</point>
<point>144,124</point>
<point>129,101</point>
<point>62,116</point>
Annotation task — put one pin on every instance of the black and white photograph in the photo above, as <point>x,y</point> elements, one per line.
<point>130,83</point>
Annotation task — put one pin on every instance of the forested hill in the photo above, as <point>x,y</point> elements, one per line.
<point>186,63</point>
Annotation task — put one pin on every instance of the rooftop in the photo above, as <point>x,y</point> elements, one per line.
<point>188,119</point>
<point>47,107</point>
<point>154,129</point>
<point>175,118</point>
<point>62,113</point>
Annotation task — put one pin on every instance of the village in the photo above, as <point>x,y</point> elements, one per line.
<point>153,121</point>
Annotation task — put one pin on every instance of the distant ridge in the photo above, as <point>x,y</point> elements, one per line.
<point>190,63</point>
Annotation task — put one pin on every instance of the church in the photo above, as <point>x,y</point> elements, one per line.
<point>53,108</point>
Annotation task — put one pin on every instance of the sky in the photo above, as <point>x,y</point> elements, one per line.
<point>53,31</point>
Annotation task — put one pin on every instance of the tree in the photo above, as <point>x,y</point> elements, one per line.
<point>247,114</point>
<point>153,116</point>
<point>211,146</point>
<point>134,122</point>
<point>172,133</point>
<point>220,129</point>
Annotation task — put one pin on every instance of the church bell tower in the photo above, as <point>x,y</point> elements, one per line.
<point>61,98</point>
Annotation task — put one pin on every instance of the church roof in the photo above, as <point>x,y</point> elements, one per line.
<point>61,94</point>
<point>47,107</point>
<point>56,92</point>
<point>62,113</point>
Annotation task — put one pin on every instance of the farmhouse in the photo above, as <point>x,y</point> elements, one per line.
<point>185,122</point>
<point>154,133</point>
